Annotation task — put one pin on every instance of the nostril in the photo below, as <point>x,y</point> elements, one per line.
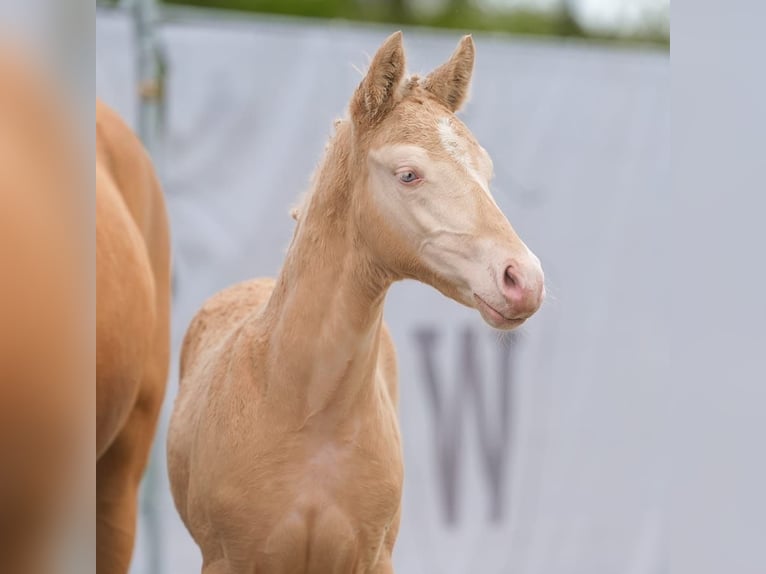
<point>509,279</point>
<point>522,287</point>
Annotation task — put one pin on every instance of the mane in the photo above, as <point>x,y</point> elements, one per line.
<point>332,174</point>
<point>408,86</point>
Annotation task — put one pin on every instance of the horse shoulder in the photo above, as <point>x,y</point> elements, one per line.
<point>203,362</point>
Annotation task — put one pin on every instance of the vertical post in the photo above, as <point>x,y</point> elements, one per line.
<point>150,76</point>
<point>150,69</point>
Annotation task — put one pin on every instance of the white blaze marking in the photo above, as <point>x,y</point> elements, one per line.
<point>456,147</point>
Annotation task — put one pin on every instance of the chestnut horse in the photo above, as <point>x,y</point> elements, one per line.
<point>132,329</point>
<point>284,450</point>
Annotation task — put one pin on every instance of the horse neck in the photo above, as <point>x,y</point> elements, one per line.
<point>324,317</point>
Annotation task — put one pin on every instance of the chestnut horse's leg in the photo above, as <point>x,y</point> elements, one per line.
<point>120,469</point>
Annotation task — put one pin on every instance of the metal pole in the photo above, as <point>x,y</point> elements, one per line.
<point>151,76</point>
<point>150,69</point>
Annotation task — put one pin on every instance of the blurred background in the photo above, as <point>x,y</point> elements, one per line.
<point>539,452</point>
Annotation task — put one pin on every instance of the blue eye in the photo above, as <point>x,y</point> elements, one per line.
<point>408,177</point>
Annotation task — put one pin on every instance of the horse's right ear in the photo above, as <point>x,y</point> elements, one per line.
<point>375,96</point>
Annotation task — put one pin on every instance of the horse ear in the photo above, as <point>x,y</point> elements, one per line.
<point>374,97</point>
<point>450,81</point>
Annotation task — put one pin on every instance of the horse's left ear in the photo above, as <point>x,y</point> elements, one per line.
<point>450,81</point>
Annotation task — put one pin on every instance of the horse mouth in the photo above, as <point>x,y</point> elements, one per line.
<point>495,317</point>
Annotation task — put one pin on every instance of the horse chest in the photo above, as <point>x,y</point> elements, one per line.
<point>325,499</point>
<point>360,475</point>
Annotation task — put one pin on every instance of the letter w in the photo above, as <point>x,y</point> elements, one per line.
<point>449,417</point>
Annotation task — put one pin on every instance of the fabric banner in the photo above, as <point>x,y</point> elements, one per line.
<point>536,452</point>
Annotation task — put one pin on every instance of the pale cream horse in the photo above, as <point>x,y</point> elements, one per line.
<point>284,450</point>
<point>132,329</point>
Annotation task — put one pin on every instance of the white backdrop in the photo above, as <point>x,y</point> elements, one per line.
<point>560,455</point>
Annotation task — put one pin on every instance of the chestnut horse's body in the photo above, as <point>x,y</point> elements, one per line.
<point>45,326</point>
<point>283,450</point>
<point>132,329</point>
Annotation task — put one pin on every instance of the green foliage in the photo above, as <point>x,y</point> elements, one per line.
<point>462,15</point>
<point>309,8</point>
